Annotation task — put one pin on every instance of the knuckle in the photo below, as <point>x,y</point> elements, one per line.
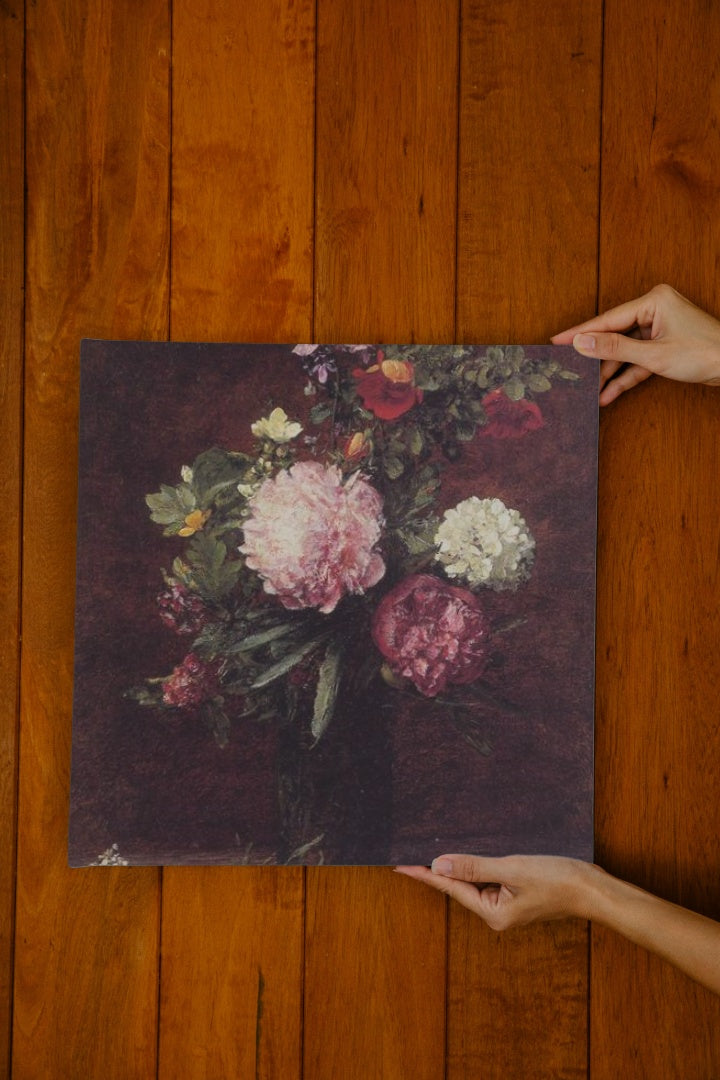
<point>663,291</point>
<point>465,868</point>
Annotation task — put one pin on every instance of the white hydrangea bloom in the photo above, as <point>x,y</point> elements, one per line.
<point>277,427</point>
<point>485,543</point>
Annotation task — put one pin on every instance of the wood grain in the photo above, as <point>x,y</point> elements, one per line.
<point>12,270</point>
<point>384,271</point>
<point>97,231</point>
<point>658,754</point>
<point>242,234</point>
<point>243,117</point>
<point>527,243</point>
<point>528,170</point>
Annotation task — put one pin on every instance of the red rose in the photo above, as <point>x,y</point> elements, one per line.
<point>388,388</point>
<point>509,419</point>
<point>432,633</point>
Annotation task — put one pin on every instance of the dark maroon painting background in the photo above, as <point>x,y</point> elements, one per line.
<point>392,781</point>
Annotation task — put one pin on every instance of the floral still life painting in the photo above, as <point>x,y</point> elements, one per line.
<point>335,603</point>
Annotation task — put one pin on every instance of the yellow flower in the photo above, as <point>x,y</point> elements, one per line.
<point>276,427</point>
<point>397,371</point>
<point>194,522</point>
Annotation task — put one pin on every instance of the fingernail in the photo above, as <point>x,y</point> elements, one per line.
<point>585,341</point>
<point>442,866</point>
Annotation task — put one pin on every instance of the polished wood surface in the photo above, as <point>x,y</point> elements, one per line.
<point>391,169</point>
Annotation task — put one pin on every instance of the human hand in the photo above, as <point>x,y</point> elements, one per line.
<point>514,890</point>
<point>660,333</point>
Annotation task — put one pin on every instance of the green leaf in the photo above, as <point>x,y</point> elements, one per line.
<point>276,671</point>
<point>515,356</point>
<point>320,412</point>
<point>214,574</point>
<point>394,467</point>
<point>538,383</point>
<point>495,355</point>
<point>415,441</point>
<point>326,693</point>
<point>300,852</point>
<point>264,637</point>
<point>211,641</point>
<point>465,430</point>
<point>571,375</point>
<point>421,540</point>
<point>171,505</point>
<point>514,389</point>
<point>216,469</point>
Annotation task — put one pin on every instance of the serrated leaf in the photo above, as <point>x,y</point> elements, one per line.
<point>288,662</point>
<point>326,691</point>
<point>214,574</point>
<point>170,505</point>
<point>538,383</point>
<point>514,389</point>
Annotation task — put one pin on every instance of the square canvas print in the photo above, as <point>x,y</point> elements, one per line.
<point>335,603</point>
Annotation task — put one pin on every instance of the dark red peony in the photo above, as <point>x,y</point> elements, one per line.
<point>388,388</point>
<point>182,610</point>
<point>432,633</point>
<point>509,419</point>
<point>192,682</point>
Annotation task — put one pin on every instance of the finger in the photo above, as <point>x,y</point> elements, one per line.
<point>628,378</point>
<point>470,868</point>
<point>640,311</point>
<point>462,891</point>
<point>608,368</point>
<point>620,349</point>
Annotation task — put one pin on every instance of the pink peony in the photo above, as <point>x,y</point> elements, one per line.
<point>509,419</point>
<point>432,633</point>
<point>311,538</point>
<point>192,682</point>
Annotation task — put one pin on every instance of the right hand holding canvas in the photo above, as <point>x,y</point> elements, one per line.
<point>660,333</point>
<point>521,889</point>
<point>514,890</point>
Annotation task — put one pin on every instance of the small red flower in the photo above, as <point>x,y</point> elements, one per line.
<point>432,633</point>
<point>183,611</point>
<point>192,682</point>
<point>388,388</point>
<point>509,419</point>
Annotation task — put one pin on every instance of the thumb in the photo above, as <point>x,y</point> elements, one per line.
<point>469,868</point>
<point>621,349</point>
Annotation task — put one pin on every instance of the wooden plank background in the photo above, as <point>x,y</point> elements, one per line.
<point>376,169</point>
